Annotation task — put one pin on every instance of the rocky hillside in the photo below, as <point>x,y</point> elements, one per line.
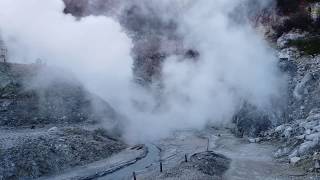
<point>300,57</point>
<point>296,36</point>
<point>48,123</point>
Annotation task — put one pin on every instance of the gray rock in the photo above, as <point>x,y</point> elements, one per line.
<point>294,160</point>
<point>53,130</point>
<point>254,140</point>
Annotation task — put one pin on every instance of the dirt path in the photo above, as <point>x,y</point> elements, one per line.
<point>250,161</point>
<point>115,164</point>
<point>253,161</point>
<point>148,163</point>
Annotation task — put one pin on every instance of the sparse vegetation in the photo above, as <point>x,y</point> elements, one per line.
<point>308,46</point>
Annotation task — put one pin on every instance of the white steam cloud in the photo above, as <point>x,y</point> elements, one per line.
<point>235,64</point>
<point>94,48</point>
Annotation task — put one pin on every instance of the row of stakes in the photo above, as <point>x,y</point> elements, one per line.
<point>134,174</point>
<point>185,160</point>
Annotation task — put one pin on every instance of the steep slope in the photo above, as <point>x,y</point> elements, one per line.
<point>298,43</point>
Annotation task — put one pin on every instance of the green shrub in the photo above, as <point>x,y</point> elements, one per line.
<point>308,46</point>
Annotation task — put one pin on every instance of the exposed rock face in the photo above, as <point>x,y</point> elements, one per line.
<point>294,25</point>
<point>303,71</point>
<point>48,123</point>
<point>300,133</point>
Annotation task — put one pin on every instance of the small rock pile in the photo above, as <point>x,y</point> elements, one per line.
<point>300,141</point>
<point>210,163</point>
<point>300,137</point>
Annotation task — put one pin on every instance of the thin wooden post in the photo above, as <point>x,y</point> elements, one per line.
<point>208,143</point>
<point>185,158</point>
<point>161,166</point>
<point>134,176</point>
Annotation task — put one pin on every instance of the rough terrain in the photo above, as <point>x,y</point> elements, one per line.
<point>225,157</point>
<point>46,129</point>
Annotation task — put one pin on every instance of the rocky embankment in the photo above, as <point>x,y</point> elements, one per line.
<point>299,135</point>
<point>48,123</point>
<point>295,33</point>
<point>293,27</point>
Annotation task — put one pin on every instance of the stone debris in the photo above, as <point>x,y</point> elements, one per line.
<point>254,140</point>
<point>299,135</point>
<point>294,160</point>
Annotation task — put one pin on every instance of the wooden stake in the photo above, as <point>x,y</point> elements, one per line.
<point>134,176</point>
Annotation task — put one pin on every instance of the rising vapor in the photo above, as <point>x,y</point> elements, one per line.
<point>235,65</point>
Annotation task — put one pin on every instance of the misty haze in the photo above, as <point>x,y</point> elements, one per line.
<point>159,89</point>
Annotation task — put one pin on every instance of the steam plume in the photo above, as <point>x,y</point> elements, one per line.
<point>235,64</point>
